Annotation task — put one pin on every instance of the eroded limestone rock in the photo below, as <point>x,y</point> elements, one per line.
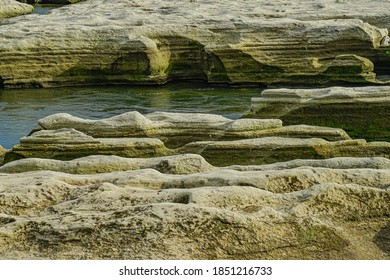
<point>160,134</point>
<point>358,110</point>
<point>62,2</point>
<point>177,129</point>
<point>276,149</point>
<point>180,164</point>
<point>11,8</point>
<point>2,154</point>
<point>68,143</point>
<point>153,42</point>
<point>225,214</point>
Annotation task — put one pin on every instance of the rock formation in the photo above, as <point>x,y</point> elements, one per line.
<point>305,213</point>
<point>11,8</point>
<point>361,111</point>
<point>287,185</point>
<point>179,206</point>
<point>220,140</point>
<point>2,154</point>
<point>153,42</point>
<point>62,2</point>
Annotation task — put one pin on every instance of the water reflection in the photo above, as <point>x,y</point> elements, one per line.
<point>21,109</point>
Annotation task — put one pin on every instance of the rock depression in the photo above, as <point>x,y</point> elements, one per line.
<point>153,42</point>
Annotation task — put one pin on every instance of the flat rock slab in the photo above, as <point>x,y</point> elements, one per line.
<point>361,111</point>
<point>154,42</point>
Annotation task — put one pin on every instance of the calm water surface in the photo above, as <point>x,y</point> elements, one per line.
<point>21,109</point>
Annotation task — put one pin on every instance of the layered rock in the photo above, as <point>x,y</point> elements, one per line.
<point>361,111</point>
<point>306,213</point>
<point>2,154</point>
<point>11,8</point>
<point>70,143</point>
<point>177,129</point>
<point>159,41</point>
<point>62,2</point>
<point>276,149</point>
<point>179,164</point>
<point>245,141</point>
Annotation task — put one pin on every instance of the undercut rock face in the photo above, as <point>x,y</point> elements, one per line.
<point>154,42</point>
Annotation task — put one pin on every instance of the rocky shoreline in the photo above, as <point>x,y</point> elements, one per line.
<point>178,205</point>
<point>289,180</point>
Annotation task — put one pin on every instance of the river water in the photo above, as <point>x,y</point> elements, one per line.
<point>21,109</point>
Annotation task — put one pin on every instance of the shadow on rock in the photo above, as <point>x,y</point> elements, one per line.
<point>382,239</point>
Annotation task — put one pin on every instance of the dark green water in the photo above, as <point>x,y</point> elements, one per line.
<point>21,109</point>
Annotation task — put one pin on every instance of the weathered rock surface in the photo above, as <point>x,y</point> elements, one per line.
<point>153,42</point>
<point>2,154</point>
<point>162,134</point>
<point>360,111</point>
<point>275,149</point>
<point>177,129</point>
<point>68,143</point>
<point>306,213</point>
<point>182,207</point>
<point>50,1</point>
<point>180,164</point>
<point>11,8</point>
<point>333,163</point>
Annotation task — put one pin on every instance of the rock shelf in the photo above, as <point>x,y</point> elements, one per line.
<point>221,141</point>
<point>154,42</point>
<point>361,111</point>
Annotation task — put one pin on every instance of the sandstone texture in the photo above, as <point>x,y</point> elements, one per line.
<point>360,111</point>
<point>305,213</point>
<point>11,8</point>
<point>132,197</point>
<point>2,154</point>
<point>50,1</point>
<point>219,140</point>
<point>153,42</point>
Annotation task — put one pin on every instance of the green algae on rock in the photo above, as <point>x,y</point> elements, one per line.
<point>219,140</point>
<point>360,111</point>
<point>11,8</point>
<point>102,46</point>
